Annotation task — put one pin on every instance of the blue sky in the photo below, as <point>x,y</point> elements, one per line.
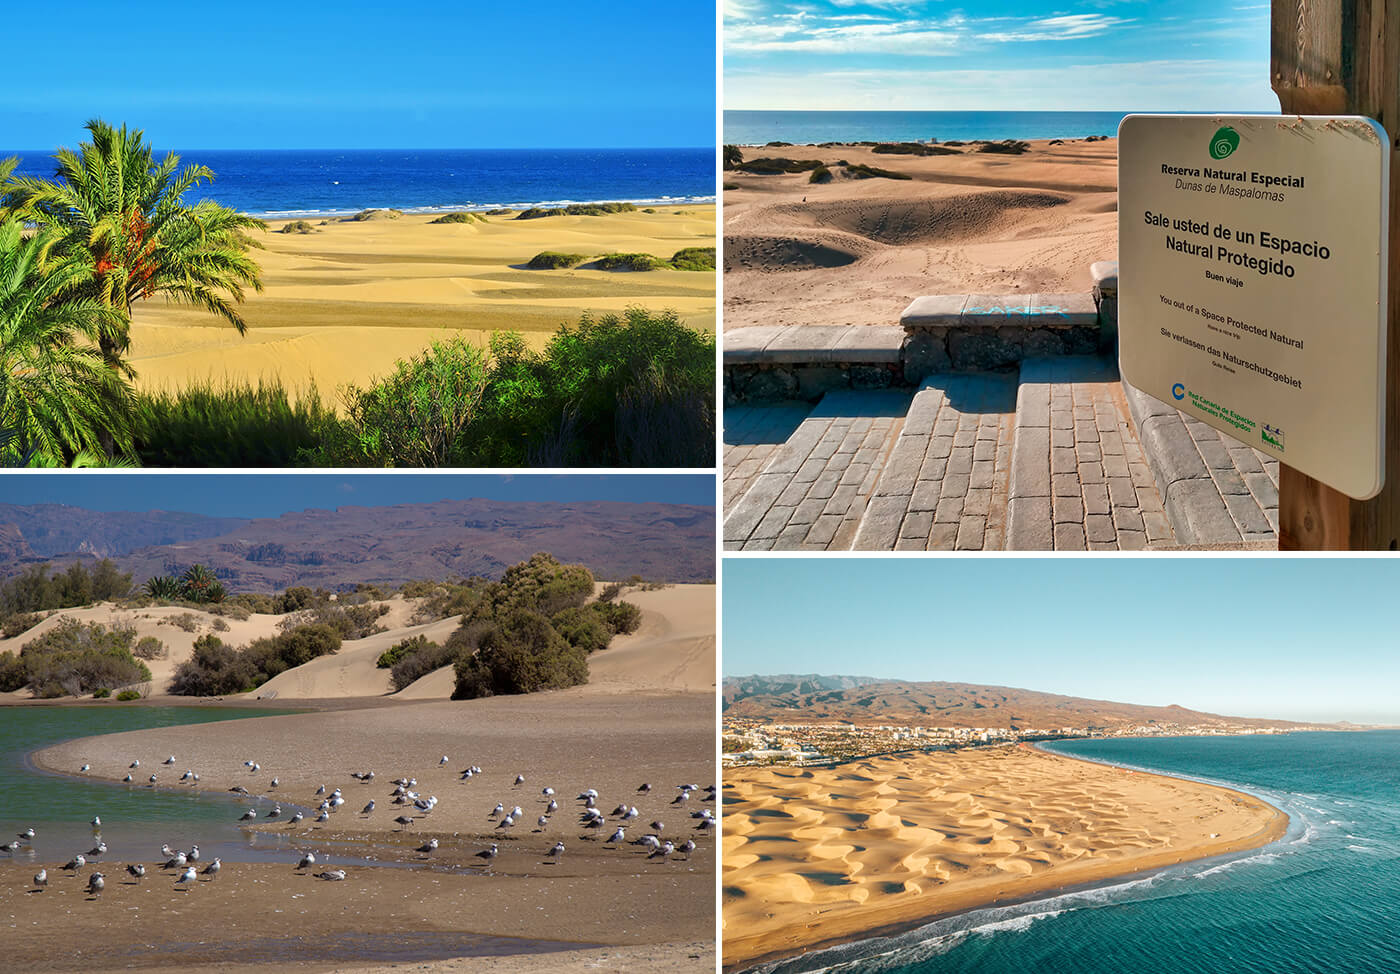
<point>1306,639</point>
<point>261,74</point>
<point>1003,55</point>
<point>270,495</point>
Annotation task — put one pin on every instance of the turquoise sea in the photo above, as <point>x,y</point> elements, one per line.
<point>1325,898</point>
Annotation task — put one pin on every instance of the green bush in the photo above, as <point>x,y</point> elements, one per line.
<point>766,167</point>
<point>462,217</point>
<point>75,658</point>
<point>500,211</point>
<point>582,628</point>
<point>216,668</point>
<point>576,209</point>
<point>861,171</point>
<point>219,625</point>
<point>230,425</point>
<point>548,260</point>
<point>20,623</point>
<point>1006,147</point>
<point>374,214</point>
<point>523,655</point>
<point>126,695</point>
<point>297,226</point>
<point>13,675</point>
<point>820,175</point>
<point>694,259</point>
<point>418,416</point>
<point>101,693</point>
<point>187,621</point>
<point>619,617</point>
<point>348,621</point>
<point>399,650</point>
<point>628,262</point>
<point>149,647</point>
<point>37,590</point>
<point>913,149</point>
<point>416,665</point>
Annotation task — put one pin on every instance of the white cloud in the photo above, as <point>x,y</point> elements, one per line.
<point>1066,28</point>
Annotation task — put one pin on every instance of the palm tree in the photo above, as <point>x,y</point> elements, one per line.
<point>164,588</point>
<point>114,206</point>
<point>733,155</point>
<point>200,584</point>
<point>57,397</point>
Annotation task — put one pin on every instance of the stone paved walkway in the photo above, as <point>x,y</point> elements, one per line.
<point>752,434</point>
<point>944,487</point>
<point>811,493</point>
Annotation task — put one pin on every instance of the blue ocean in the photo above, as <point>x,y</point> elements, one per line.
<point>295,182</point>
<point>1325,898</point>
<point>757,128</point>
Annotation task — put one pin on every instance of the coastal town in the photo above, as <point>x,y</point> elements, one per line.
<point>748,741</point>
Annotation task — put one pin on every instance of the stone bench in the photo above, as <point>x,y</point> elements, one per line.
<point>806,361</point>
<point>994,332</point>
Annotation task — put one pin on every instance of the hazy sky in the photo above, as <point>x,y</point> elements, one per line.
<point>270,495</point>
<point>1307,639</point>
<point>436,74</point>
<point>1080,55</point>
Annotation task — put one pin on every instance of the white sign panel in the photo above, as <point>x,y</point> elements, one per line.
<point>1251,282</point>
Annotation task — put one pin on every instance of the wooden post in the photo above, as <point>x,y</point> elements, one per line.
<point>1342,57</point>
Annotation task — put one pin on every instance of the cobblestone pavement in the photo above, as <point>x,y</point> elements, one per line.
<point>752,434</point>
<point>944,487</point>
<point>1080,480</point>
<point>811,493</point>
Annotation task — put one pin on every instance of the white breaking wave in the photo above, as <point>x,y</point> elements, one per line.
<point>1263,858</point>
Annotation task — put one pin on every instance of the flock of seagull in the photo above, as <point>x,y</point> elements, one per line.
<point>184,864</point>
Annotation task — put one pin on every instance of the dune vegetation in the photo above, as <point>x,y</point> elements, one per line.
<point>532,629</point>
<point>113,228</point>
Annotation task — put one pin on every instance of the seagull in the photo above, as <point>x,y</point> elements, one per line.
<point>706,824</point>
<point>256,767</point>
<point>467,774</point>
<point>86,767</point>
<point>617,836</point>
<point>497,810</point>
<point>428,848</point>
<point>590,793</point>
<point>488,854</point>
<point>520,779</point>
<point>547,792</point>
<point>10,847</point>
<point>185,877</point>
<point>332,875</point>
<point>296,817</point>
<point>516,812</point>
<point>166,851</point>
<point>368,808</point>
<point>187,775</point>
<point>169,760</point>
<point>324,816</point>
<point>630,814</point>
<point>97,821</point>
<point>136,872</point>
<point>135,764</point>
<point>506,823</point>
<point>41,878</point>
<point>553,806</point>
<point>127,779</point>
<point>621,809</point>
<point>213,868</point>
<point>645,787</point>
<point>27,835</point>
<point>247,764</point>
<point>239,789</point>
<point>658,827</point>
<point>276,811</point>
<point>442,760</point>
<point>76,863</point>
<point>275,782</point>
<point>307,861</point>
<point>688,846</point>
<point>404,821</point>
<point>650,841</point>
<point>556,850</point>
<point>98,850</point>
<point>193,854</point>
<point>95,884</point>
<point>321,790</point>
<point>590,802</point>
<point>665,851</point>
<point>543,821</point>
<point>249,814</point>
<point>178,861</point>
<point>153,779</point>
<point>680,798</point>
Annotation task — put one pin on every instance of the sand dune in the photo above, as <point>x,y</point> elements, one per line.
<point>856,251</point>
<point>818,855</point>
<point>341,304</point>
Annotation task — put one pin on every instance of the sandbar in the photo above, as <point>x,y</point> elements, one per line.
<point>817,856</point>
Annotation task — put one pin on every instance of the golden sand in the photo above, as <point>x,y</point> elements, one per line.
<point>814,856</point>
<point>343,303</point>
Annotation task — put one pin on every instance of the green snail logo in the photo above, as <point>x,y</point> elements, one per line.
<point>1224,142</point>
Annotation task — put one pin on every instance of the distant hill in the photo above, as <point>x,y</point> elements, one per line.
<point>380,545</point>
<point>860,700</point>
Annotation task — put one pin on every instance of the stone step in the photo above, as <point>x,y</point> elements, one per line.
<point>811,492</point>
<point>944,485</point>
<point>986,332</point>
<point>1079,480</point>
<point>1216,490</point>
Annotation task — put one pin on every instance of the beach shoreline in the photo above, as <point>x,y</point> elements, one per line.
<point>797,938</point>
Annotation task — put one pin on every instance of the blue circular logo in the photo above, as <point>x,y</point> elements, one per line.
<point>1179,391</point>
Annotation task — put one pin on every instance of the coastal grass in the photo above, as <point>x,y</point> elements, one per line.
<point>363,215</point>
<point>549,260</point>
<point>635,389</point>
<point>461,217</point>
<point>858,170</point>
<point>297,226</point>
<point>768,166</point>
<point>820,175</point>
<point>576,209</point>
<point>694,259</point>
<point>913,149</point>
<point>628,262</point>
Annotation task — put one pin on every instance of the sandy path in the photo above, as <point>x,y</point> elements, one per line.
<point>819,855</point>
<point>343,303</point>
<point>857,251</point>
